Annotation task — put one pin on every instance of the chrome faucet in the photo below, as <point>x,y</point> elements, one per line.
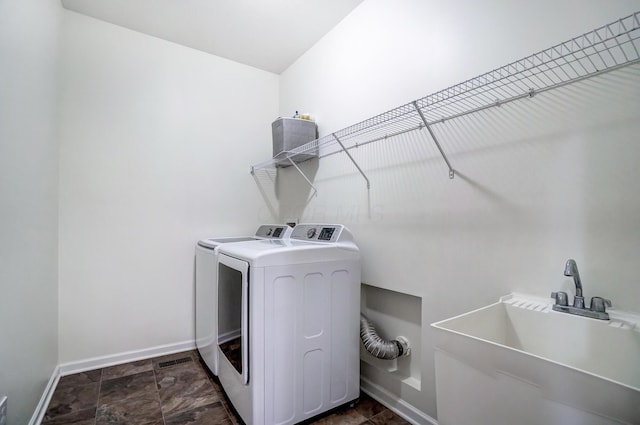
<point>571,270</point>
<point>597,309</point>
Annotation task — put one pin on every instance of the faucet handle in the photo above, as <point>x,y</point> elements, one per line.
<point>600,304</point>
<point>560,297</point>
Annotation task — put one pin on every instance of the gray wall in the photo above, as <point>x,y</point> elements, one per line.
<point>28,202</point>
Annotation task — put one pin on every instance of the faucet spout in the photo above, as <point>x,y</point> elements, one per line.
<point>571,270</point>
<point>598,307</point>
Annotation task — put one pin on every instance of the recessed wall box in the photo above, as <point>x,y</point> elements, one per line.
<point>291,133</point>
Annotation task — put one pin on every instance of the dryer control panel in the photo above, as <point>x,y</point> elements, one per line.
<point>329,233</point>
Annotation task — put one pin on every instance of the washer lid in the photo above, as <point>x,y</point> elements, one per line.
<point>265,231</point>
<point>216,242</point>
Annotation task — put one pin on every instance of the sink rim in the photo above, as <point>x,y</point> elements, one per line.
<point>618,319</point>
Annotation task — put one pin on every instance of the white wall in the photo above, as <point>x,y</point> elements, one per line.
<point>156,144</point>
<point>538,182</point>
<point>28,202</point>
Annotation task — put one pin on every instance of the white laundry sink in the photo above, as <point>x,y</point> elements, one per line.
<point>519,362</point>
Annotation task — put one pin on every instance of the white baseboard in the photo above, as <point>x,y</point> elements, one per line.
<point>126,357</point>
<point>41,408</point>
<point>395,404</point>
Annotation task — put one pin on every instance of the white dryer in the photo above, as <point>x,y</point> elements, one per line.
<point>288,338</point>
<point>206,292</point>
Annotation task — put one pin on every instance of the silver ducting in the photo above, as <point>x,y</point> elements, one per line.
<point>381,348</point>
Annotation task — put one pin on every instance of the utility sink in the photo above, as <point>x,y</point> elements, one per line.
<point>519,362</point>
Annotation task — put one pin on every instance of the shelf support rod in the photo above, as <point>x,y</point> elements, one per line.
<point>352,160</point>
<point>435,139</point>
<point>315,191</point>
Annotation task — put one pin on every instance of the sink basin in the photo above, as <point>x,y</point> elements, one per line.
<point>519,362</point>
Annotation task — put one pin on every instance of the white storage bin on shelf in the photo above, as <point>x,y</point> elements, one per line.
<point>289,134</point>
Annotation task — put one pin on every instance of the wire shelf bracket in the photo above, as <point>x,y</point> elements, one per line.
<point>435,139</point>
<point>352,160</point>
<point>604,49</point>
<point>315,191</point>
<point>285,157</point>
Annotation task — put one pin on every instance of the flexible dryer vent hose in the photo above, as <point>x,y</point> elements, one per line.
<point>381,348</point>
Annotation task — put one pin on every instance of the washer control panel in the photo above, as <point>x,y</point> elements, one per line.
<point>274,231</point>
<point>319,232</point>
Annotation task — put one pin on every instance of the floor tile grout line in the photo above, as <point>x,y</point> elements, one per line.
<point>95,417</point>
<point>155,379</point>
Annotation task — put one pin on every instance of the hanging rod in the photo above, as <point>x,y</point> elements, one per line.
<point>607,48</point>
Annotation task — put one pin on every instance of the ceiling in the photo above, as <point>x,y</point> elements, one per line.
<point>266,34</point>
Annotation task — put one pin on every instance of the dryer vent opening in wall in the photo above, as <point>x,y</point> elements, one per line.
<point>170,363</point>
<point>395,313</point>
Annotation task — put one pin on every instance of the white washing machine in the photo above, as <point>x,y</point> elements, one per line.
<point>288,330</point>
<point>207,289</point>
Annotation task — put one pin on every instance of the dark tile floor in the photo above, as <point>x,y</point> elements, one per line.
<point>169,390</point>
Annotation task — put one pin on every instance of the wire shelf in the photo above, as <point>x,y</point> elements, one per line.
<point>604,49</point>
